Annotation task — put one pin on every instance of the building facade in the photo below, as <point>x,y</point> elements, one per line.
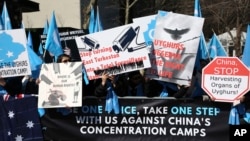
<point>67,12</point>
<point>228,43</point>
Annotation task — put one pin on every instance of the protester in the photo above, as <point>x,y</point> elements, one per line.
<point>157,88</point>
<point>109,86</point>
<point>245,101</point>
<point>55,112</point>
<point>197,91</point>
<point>193,90</point>
<point>88,86</point>
<point>12,85</point>
<point>102,84</point>
<point>135,84</point>
<point>30,85</point>
<point>240,112</point>
<point>126,84</point>
<point>63,58</point>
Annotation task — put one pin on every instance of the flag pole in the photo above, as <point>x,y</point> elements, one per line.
<point>44,54</point>
<point>206,49</point>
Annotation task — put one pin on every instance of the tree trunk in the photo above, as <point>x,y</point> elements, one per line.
<point>238,41</point>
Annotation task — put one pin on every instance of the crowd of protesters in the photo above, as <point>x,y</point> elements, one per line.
<point>131,84</point>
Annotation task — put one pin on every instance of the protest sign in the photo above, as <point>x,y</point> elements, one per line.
<point>140,119</point>
<point>14,59</point>
<point>117,50</point>
<point>225,79</point>
<point>175,44</point>
<point>61,85</point>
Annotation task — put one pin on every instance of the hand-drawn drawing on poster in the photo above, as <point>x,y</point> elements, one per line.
<point>176,40</point>
<point>61,85</point>
<point>117,50</point>
<point>14,59</point>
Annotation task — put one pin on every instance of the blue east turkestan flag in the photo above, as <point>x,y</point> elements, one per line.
<point>245,56</point>
<point>53,43</point>
<point>22,25</point>
<point>45,32</point>
<point>234,118</point>
<point>98,21</point>
<point>5,18</point>
<point>112,102</point>
<point>197,9</point>
<point>202,52</point>
<point>92,20</point>
<point>1,24</point>
<point>215,47</point>
<point>246,60</point>
<point>35,64</point>
<point>34,59</point>
<point>29,40</point>
<point>235,112</point>
<point>95,24</point>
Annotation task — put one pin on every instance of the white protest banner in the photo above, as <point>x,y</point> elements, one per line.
<point>14,59</point>
<point>176,40</point>
<point>117,50</point>
<point>61,85</point>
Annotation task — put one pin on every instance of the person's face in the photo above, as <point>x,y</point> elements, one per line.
<point>65,59</point>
